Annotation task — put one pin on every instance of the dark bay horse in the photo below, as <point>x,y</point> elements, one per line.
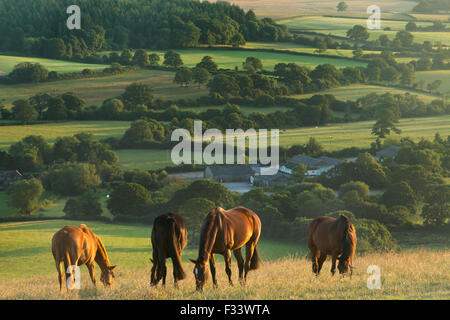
<point>335,237</point>
<point>77,246</point>
<point>224,231</point>
<point>169,237</point>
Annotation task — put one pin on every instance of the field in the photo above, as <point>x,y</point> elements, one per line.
<point>95,90</point>
<point>229,59</point>
<point>28,270</point>
<point>338,26</point>
<point>353,92</point>
<point>51,131</point>
<point>348,53</point>
<point>333,137</point>
<point>357,8</point>
<point>430,76</point>
<point>357,134</point>
<point>7,64</point>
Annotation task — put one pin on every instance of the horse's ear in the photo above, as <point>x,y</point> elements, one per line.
<point>152,260</point>
<point>193,261</point>
<point>112,267</point>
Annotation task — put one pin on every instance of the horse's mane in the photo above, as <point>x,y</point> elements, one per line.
<point>347,240</point>
<point>101,251</point>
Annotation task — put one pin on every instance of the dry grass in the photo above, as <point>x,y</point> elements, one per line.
<point>415,274</point>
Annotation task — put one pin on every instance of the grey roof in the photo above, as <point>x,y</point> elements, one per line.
<point>329,161</point>
<point>222,170</point>
<point>388,152</point>
<point>311,162</point>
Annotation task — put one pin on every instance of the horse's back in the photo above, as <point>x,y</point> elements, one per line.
<point>319,231</point>
<point>71,240</point>
<point>239,225</point>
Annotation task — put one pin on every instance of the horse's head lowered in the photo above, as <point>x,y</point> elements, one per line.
<point>107,277</point>
<point>201,273</point>
<point>344,266</point>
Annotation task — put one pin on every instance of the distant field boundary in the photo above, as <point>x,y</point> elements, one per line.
<point>281,51</point>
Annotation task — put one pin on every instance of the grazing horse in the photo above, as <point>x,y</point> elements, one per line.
<point>224,231</point>
<point>77,246</point>
<point>169,237</point>
<point>335,237</point>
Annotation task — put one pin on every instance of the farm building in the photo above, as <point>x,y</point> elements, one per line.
<point>267,180</point>
<point>9,176</point>
<point>387,153</point>
<point>314,166</point>
<point>230,173</point>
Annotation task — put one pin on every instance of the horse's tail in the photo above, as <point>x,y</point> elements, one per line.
<point>255,262</point>
<point>348,241</point>
<point>175,243</point>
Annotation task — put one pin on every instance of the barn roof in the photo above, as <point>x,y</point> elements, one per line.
<point>311,162</point>
<point>235,170</point>
<point>388,152</point>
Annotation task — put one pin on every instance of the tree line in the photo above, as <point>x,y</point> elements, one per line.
<point>39,28</point>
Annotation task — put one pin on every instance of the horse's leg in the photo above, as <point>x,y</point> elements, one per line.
<point>249,249</point>
<point>175,274</point>
<point>227,257</point>
<point>154,272</point>
<point>322,259</point>
<point>164,271</point>
<point>333,264</point>
<point>240,261</point>
<point>212,266</point>
<point>91,268</point>
<point>60,274</point>
<point>315,253</point>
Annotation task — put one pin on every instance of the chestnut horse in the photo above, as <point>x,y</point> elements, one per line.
<point>224,231</point>
<point>335,237</point>
<point>169,237</point>
<point>77,246</point>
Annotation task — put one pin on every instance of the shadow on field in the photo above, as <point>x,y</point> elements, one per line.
<point>24,252</point>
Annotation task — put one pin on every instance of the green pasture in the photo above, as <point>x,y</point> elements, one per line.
<point>229,59</point>
<point>51,131</point>
<point>95,90</point>
<point>348,53</point>
<point>358,134</point>
<point>7,64</point>
<point>245,109</point>
<point>282,9</point>
<point>333,137</point>
<point>353,92</point>
<point>430,76</point>
<point>25,249</point>
<point>338,26</point>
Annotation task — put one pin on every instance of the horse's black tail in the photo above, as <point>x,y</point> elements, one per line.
<point>255,262</point>
<point>176,249</point>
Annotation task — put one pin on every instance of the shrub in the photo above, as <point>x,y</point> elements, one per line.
<point>86,206</point>
<point>373,236</point>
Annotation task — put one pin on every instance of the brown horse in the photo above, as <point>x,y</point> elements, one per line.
<point>224,231</point>
<point>169,237</point>
<point>77,246</point>
<point>335,237</point>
